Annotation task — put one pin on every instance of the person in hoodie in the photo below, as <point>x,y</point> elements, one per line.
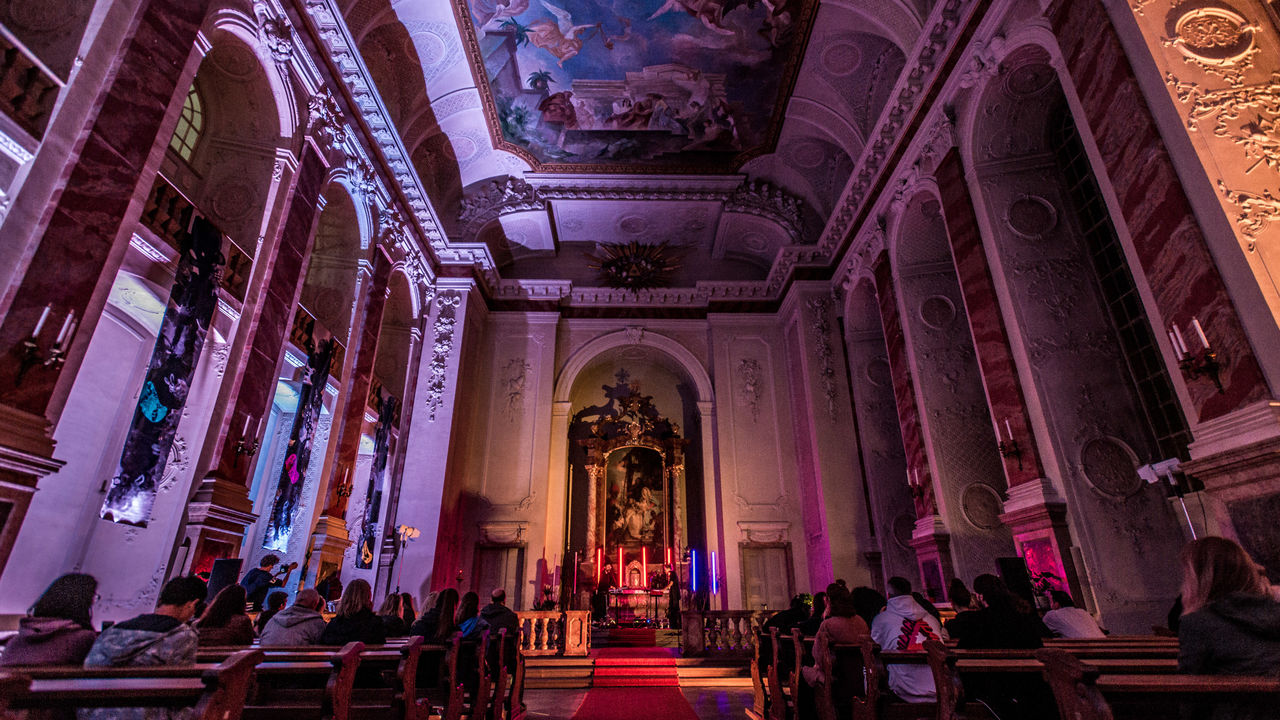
<point>1230,621</point>
<point>903,626</point>
<point>163,637</point>
<point>355,620</point>
<point>296,625</point>
<point>59,629</point>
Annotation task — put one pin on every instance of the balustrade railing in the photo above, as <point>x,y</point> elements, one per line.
<point>728,633</point>
<point>552,632</point>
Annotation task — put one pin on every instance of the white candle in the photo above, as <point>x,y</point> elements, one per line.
<point>244,431</point>
<point>1173,342</point>
<point>71,332</point>
<point>1008,429</point>
<point>1182,344</point>
<point>258,431</point>
<point>1195,323</point>
<point>66,323</point>
<point>44,315</point>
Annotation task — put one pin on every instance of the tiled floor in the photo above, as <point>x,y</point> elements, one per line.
<point>709,703</point>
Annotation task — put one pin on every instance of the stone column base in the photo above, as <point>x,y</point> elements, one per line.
<point>216,521</point>
<point>932,543</point>
<point>1037,518</point>
<point>1237,458</point>
<point>26,455</point>
<point>328,544</point>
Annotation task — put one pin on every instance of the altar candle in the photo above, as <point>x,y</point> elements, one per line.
<point>1195,323</point>
<point>44,315</point>
<point>620,575</point>
<point>644,564</point>
<point>65,324</point>
<point>599,563</point>
<point>1182,344</point>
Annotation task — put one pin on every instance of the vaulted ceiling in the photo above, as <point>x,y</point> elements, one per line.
<point>550,128</point>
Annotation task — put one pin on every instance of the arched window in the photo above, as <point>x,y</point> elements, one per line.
<point>190,123</point>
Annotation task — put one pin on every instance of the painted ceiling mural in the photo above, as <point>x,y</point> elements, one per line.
<point>692,85</point>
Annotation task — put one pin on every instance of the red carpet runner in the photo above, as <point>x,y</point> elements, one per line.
<point>648,703</point>
<point>635,684</point>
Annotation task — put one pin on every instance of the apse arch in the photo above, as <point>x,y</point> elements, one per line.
<point>584,356</point>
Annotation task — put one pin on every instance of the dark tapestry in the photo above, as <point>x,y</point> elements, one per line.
<point>373,495</point>
<point>168,380</point>
<point>297,457</point>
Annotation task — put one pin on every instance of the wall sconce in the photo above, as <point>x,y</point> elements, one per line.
<point>344,488</point>
<point>1007,446</point>
<point>247,445</point>
<point>32,355</point>
<point>1201,363</point>
<point>913,482</point>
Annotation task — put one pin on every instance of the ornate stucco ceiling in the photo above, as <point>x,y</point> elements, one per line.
<point>801,83</point>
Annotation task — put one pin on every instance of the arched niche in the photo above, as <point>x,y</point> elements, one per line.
<point>964,471</point>
<point>329,290</point>
<point>1050,241</point>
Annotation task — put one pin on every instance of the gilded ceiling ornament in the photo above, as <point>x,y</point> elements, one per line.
<point>635,265</point>
<point>1212,36</point>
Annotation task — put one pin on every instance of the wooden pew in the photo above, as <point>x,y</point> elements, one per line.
<point>784,680</point>
<point>762,649</point>
<point>216,692</point>
<point>1083,692</point>
<point>859,670</point>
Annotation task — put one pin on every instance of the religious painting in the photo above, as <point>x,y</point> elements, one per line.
<point>164,391</point>
<point>635,496</point>
<point>367,545</point>
<point>696,84</point>
<point>1043,565</point>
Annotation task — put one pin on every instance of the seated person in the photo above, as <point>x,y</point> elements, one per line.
<point>225,622</point>
<point>1065,620</point>
<point>784,620</point>
<point>392,616</point>
<point>355,620</point>
<point>903,626</point>
<point>276,601</point>
<point>299,624</point>
<point>59,628</point>
<point>162,637</point>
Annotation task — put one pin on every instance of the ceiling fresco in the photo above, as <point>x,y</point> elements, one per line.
<point>636,85</point>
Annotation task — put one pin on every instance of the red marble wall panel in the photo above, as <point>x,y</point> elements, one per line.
<point>364,343</point>
<point>77,256</point>
<point>1169,243</point>
<point>279,298</point>
<point>999,374</point>
<point>904,391</point>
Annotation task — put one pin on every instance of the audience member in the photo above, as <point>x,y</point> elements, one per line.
<point>225,621</point>
<point>58,630</point>
<point>392,618</point>
<point>928,606</point>
<point>258,581</point>
<point>784,620</point>
<point>1003,620</point>
<point>1065,620</point>
<point>330,587</point>
<point>841,626</point>
<point>498,616</point>
<point>436,624</point>
<point>903,627</point>
<point>966,610</point>
<point>809,627</point>
<point>867,602</point>
<point>408,612</point>
<point>275,603</point>
<point>1230,624</point>
<point>468,620</point>
<point>355,620</point>
<point>162,637</point>
<point>298,624</point>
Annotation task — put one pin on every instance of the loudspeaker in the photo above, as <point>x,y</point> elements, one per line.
<point>1013,570</point>
<point>226,572</point>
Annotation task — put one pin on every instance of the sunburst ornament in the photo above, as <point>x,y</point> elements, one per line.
<point>635,265</point>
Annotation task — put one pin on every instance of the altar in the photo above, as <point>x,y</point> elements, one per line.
<point>638,606</point>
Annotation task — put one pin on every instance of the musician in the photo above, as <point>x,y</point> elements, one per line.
<point>260,580</point>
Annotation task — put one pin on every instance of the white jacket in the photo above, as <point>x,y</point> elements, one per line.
<point>903,626</point>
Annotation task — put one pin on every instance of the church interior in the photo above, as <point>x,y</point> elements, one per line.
<point>663,312</point>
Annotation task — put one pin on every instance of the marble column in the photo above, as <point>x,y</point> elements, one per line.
<point>1033,512</point>
<point>71,268</point>
<point>1237,430</point>
<point>929,539</point>
<point>388,555</point>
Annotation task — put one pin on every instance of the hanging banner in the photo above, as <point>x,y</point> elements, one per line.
<point>164,392</point>
<point>298,453</point>
<point>373,495</point>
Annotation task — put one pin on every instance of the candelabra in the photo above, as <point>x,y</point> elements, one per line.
<point>246,446</point>
<point>344,490</point>
<point>1202,363</point>
<point>56,355</point>
<point>1009,449</point>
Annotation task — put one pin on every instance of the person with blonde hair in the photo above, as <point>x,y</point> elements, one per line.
<point>355,620</point>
